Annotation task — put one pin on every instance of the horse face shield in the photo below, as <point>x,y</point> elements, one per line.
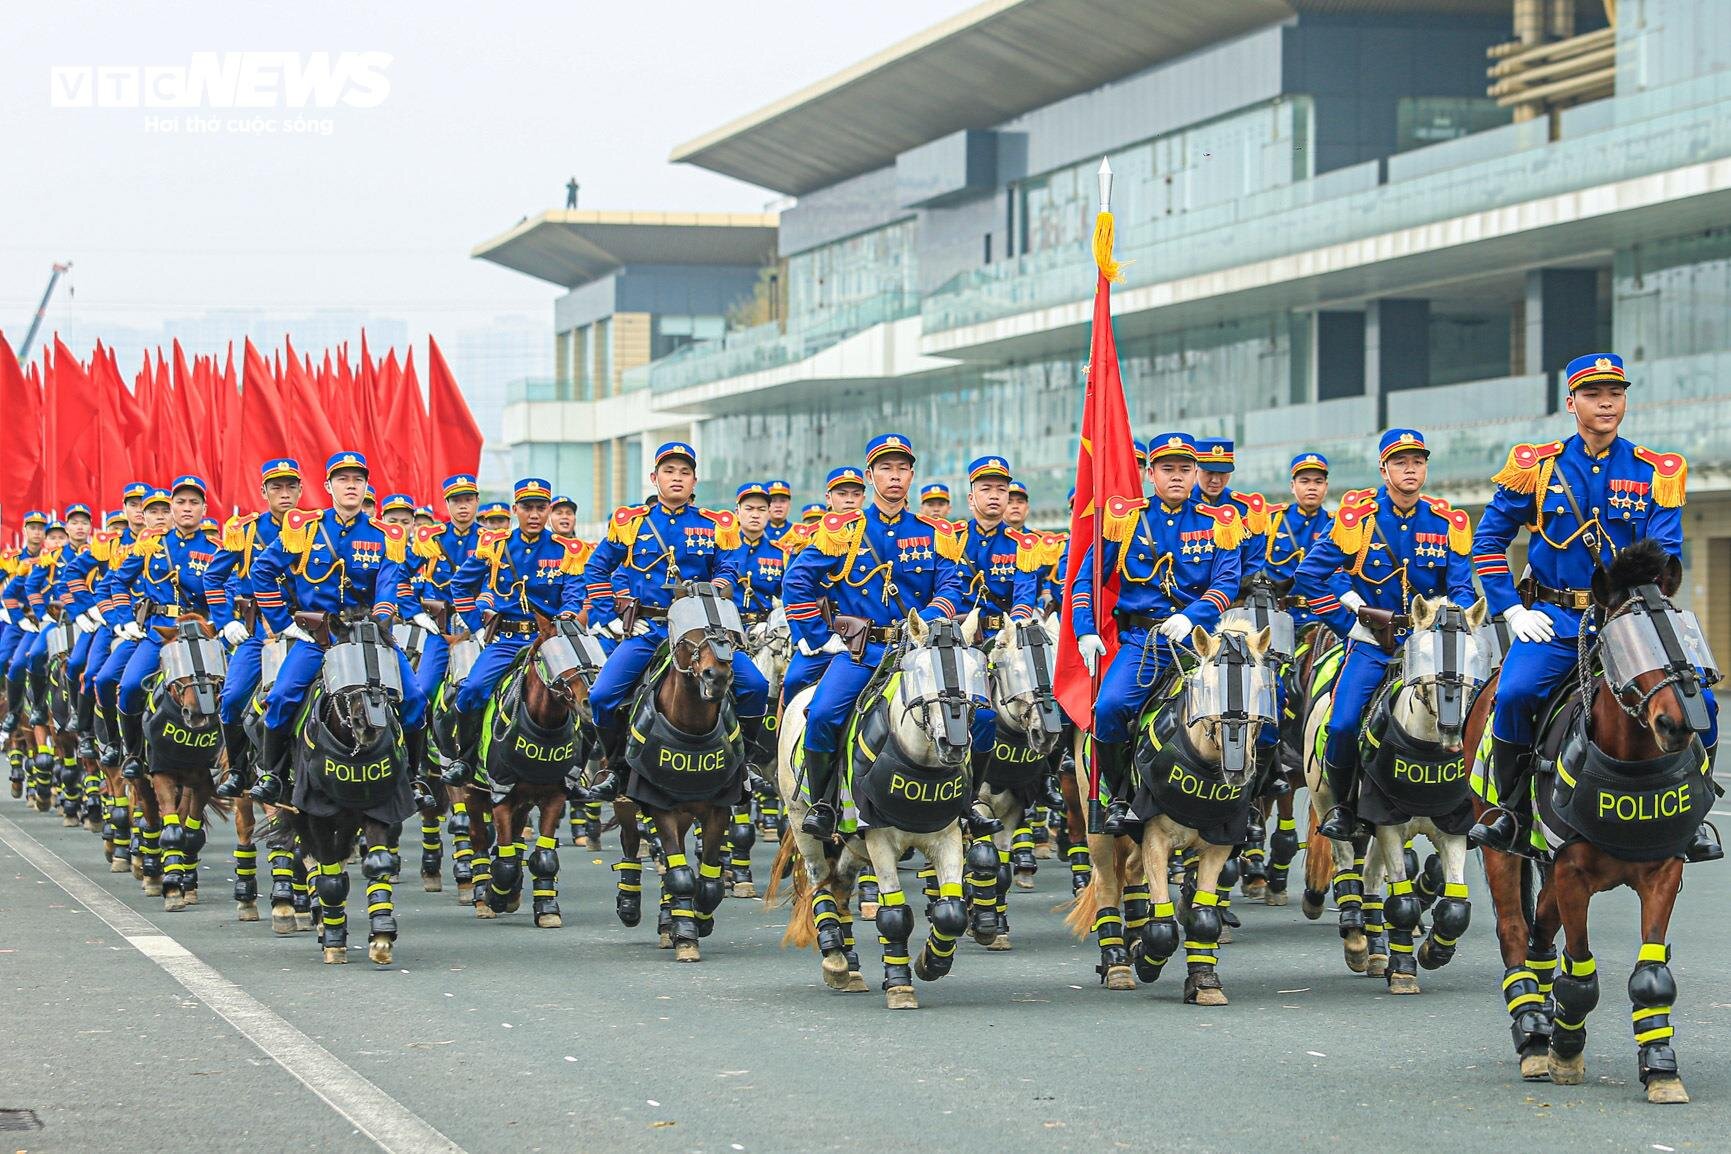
<point>363,673</point>
<point>1232,694</point>
<point>1261,610</point>
<point>1027,677</point>
<point>570,654</point>
<point>703,618</point>
<point>1448,662</point>
<point>943,683</point>
<point>199,663</point>
<point>1651,635</point>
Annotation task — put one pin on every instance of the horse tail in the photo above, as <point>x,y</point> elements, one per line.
<point>219,807</point>
<point>1318,858</point>
<point>275,824</point>
<point>782,867</point>
<point>801,932</point>
<point>1080,919</point>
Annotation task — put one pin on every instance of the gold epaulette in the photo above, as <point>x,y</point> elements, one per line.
<point>298,526</point>
<point>796,538</point>
<point>726,528</point>
<point>396,541</point>
<point>147,545</point>
<point>1460,524</point>
<point>489,542</point>
<point>1524,471</point>
<point>1229,529</point>
<point>838,534</point>
<point>622,529</point>
<point>1030,554</point>
<point>1670,471</point>
<point>1118,519</point>
<point>426,542</point>
<point>577,553</point>
<point>946,537</point>
<point>1052,547</point>
<point>1257,510</point>
<point>1349,524</point>
<point>234,531</point>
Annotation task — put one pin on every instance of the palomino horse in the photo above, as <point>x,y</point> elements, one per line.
<point>351,776</point>
<point>1019,670</point>
<point>535,738</point>
<point>182,740</point>
<point>1196,761</point>
<point>906,781</point>
<point>1629,788</point>
<point>688,766</point>
<point>770,643</point>
<point>1413,781</point>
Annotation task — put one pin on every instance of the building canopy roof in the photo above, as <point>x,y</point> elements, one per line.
<point>575,246</point>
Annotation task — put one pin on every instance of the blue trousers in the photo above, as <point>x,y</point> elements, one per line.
<point>625,667</point>
<point>484,676</point>
<point>9,635</point>
<point>75,660</point>
<point>245,668</point>
<point>1361,671</point>
<point>108,680</point>
<point>31,655</point>
<point>803,671</point>
<point>1128,683</point>
<point>1531,672</point>
<point>97,656</point>
<point>301,667</point>
<point>838,691</point>
<point>435,660</point>
<point>145,660</point>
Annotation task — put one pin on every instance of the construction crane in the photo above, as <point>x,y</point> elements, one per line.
<point>41,310</point>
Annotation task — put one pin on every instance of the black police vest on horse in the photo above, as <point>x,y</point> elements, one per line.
<point>331,780</point>
<point>893,792</point>
<point>173,744</point>
<point>1012,765</point>
<point>1174,782</point>
<point>1636,810</point>
<point>1404,778</point>
<point>516,749</point>
<point>670,766</point>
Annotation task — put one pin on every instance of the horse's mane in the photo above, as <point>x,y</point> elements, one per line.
<point>1237,625</point>
<point>1643,563</point>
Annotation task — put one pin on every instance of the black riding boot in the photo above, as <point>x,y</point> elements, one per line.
<point>978,822</point>
<point>234,742</point>
<point>1113,758</point>
<point>85,726</point>
<point>820,819</point>
<point>612,770</point>
<point>38,697</point>
<point>462,767</point>
<point>415,747</point>
<point>273,766</point>
<point>1704,846</point>
<point>14,704</point>
<point>1342,823</point>
<point>132,746</point>
<point>1500,826</point>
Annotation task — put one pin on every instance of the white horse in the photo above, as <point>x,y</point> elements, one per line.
<point>1019,668</point>
<point>1216,764</point>
<point>927,715</point>
<point>1429,710</point>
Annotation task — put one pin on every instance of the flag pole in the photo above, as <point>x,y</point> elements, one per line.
<point>1102,232</point>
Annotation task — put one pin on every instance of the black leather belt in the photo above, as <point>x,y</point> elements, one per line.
<point>1576,599</point>
<point>881,633</point>
<point>1136,620</point>
<point>514,628</point>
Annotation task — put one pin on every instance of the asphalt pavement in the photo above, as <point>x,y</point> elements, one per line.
<point>125,1028</point>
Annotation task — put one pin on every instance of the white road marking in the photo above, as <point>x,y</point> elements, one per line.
<point>391,1125</point>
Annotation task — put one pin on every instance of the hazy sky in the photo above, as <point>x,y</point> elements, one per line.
<point>486,110</point>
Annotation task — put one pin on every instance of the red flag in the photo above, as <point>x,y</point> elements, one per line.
<point>1105,471</point>
<point>410,415</point>
<point>264,431</point>
<point>455,442</point>
<point>76,455</point>
<point>21,472</point>
<point>107,433</point>
<point>317,439</point>
<point>146,448</point>
<point>231,480</point>
<point>394,456</point>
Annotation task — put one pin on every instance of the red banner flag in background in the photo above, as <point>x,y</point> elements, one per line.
<point>21,464</point>
<point>456,441</point>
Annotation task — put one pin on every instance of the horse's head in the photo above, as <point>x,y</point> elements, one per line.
<point>565,660</point>
<point>362,682</point>
<point>1653,655</point>
<point>705,630</point>
<point>1443,663</point>
<point>943,681</point>
<point>1229,696</point>
<point>1020,671</point>
<point>193,668</point>
<point>770,643</point>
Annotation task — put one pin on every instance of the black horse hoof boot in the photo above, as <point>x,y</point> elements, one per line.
<point>819,820</point>
<point>424,799</point>
<point>1496,830</point>
<point>1120,822</point>
<point>1704,846</point>
<point>86,747</point>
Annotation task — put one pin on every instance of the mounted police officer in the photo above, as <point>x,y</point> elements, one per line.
<point>17,630</point>
<point>1216,462</point>
<point>1384,549</point>
<point>630,581</point>
<point>780,504</point>
<point>147,511</point>
<point>330,562</point>
<point>165,577</point>
<point>845,490</point>
<point>520,574</point>
<point>878,565</point>
<point>1294,528</point>
<point>562,516</point>
<point>79,601</point>
<point>1582,501</point>
<point>935,500</point>
<point>42,587</point>
<point>759,561</point>
<point>234,606</point>
<point>1016,507</point>
<point>453,546</point>
<point>85,574</point>
<point>1178,561</point>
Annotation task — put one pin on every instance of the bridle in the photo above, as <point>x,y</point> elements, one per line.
<point>1678,673</point>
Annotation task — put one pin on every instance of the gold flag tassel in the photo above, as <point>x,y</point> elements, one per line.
<point>1104,236</point>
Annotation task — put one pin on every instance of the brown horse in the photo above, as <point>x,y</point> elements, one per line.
<point>688,768</point>
<point>539,730</point>
<point>183,737</point>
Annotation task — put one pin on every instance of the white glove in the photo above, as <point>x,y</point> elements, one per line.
<point>1352,600</point>
<point>641,629</point>
<point>234,632</point>
<point>92,620</point>
<point>1176,628</point>
<point>1361,632</point>
<point>1092,649</point>
<point>599,630</point>
<point>617,628</point>
<point>1530,624</point>
<point>130,631</point>
<point>425,621</point>
<point>28,624</point>
<point>5,616</point>
<point>296,633</point>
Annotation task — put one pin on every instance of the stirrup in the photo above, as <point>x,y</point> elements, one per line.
<point>232,784</point>
<point>424,798</point>
<point>819,820</point>
<point>1704,846</point>
<point>604,790</point>
<point>1342,824</point>
<point>1499,829</point>
<point>981,824</point>
<point>267,790</point>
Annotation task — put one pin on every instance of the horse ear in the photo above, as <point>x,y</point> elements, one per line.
<point>1259,642</point>
<point>1424,611</point>
<point>166,632</point>
<point>1476,614</point>
<point>917,628</point>
<point>971,626</point>
<point>1601,587</point>
<point>1671,578</point>
<point>1202,642</point>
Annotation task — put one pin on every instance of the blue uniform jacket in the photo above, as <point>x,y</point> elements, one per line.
<point>650,549</point>
<point>1168,560</point>
<point>1001,571</point>
<point>166,568</point>
<point>1290,535</point>
<point>1387,557</point>
<point>1626,493</point>
<point>230,575</point>
<point>319,563</point>
<point>874,565</point>
<point>520,577</point>
<point>761,565</point>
